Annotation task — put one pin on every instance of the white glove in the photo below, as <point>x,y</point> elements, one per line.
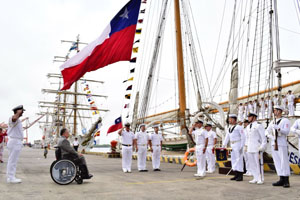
<point>275,126</point>
<point>261,149</point>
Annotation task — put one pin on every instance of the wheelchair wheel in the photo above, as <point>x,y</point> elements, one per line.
<point>63,172</point>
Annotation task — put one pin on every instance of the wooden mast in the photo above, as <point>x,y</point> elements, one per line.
<point>180,67</point>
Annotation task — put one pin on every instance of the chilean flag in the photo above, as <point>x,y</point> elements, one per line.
<point>115,44</point>
<point>116,126</point>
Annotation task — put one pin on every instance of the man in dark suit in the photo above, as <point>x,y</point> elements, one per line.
<point>67,151</point>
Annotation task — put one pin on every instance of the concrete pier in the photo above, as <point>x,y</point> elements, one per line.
<point>109,182</point>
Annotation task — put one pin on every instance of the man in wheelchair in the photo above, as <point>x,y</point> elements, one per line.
<point>68,152</point>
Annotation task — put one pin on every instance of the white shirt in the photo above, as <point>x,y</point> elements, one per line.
<point>250,107</point>
<point>284,126</point>
<point>241,109</point>
<point>156,138</point>
<point>291,98</point>
<point>269,104</point>
<point>75,143</point>
<point>254,107</point>
<point>255,137</point>
<point>211,137</point>
<point>127,137</point>
<point>200,136</point>
<point>296,128</point>
<point>283,102</point>
<point>235,133</point>
<point>275,101</point>
<point>15,129</point>
<point>142,138</point>
<point>262,104</point>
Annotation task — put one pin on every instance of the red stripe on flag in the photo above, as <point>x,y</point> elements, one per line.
<point>116,48</point>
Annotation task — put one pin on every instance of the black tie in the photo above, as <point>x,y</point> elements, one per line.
<point>250,126</point>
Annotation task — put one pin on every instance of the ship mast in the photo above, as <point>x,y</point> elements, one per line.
<point>180,66</point>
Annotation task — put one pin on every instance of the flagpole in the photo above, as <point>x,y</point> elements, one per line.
<point>75,97</point>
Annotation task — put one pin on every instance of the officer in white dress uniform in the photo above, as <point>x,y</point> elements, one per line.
<point>296,130</point>
<point>141,147</point>
<point>290,100</point>
<point>248,173</point>
<point>276,100</point>
<point>210,151</point>
<point>250,107</point>
<point>281,126</point>
<point>15,143</point>
<point>235,134</point>
<point>155,142</point>
<point>262,106</point>
<point>256,144</point>
<point>255,110</point>
<point>201,140</point>
<point>127,147</point>
<point>284,103</point>
<point>241,112</point>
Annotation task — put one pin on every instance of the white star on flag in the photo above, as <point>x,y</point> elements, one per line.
<point>125,14</point>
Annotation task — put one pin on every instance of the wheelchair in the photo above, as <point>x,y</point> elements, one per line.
<point>64,171</point>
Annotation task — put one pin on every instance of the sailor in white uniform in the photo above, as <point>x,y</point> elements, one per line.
<point>235,134</point>
<point>141,147</point>
<point>284,103</point>
<point>127,147</point>
<point>246,109</point>
<point>15,143</point>
<point>276,100</point>
<point>296,130</point>
<point>248,173</point>
<point>262,106</point>
<point>291,101</point>
<point>256,144</point>
<point>269,104</point>
<point>201,140</point>
<point>255,110</point>
<point>280,126</point>
<point>210,151</point>
<point>155,142</point>
<point>241,112</point>
<point>250,107</point>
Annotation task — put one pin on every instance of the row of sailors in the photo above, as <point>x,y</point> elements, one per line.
<point>141,140</point>
<point>265,106</point>
<point>250,142</point>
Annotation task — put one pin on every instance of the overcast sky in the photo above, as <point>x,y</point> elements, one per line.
<point>30,36</point>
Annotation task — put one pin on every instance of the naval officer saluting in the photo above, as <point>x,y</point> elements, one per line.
<point>235,134</point>
<point>278,131</point>
<point>141,147</point>
<point>201,140</point>
<point>127,147</point>
<point>155,143</point>
<point>14,145</point>
<point>256,144</point>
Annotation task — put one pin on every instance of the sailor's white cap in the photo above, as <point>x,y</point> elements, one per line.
<point>232,115</point>
<point>155,126</point>
<point>278,107</point>
<point>140,126</point>
<point>199,120</point>
<point>209,123</point>
<point>252,114</point>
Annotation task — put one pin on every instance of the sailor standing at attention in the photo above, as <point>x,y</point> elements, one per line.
<point>210,152</point>
<point>201,140</point>
<point>241,112</point>
<point>256,144</point>
<point>141,147</point>
<point>15,143</point>
<point>278,131</point>
<point>262,106</point>
<point>127,147</point>
<point>155,143</point>
<point>248,173</point>
<point>235,134</point>
<point>296,130</point>
<point>269,104</point>
<point>291,101</point>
